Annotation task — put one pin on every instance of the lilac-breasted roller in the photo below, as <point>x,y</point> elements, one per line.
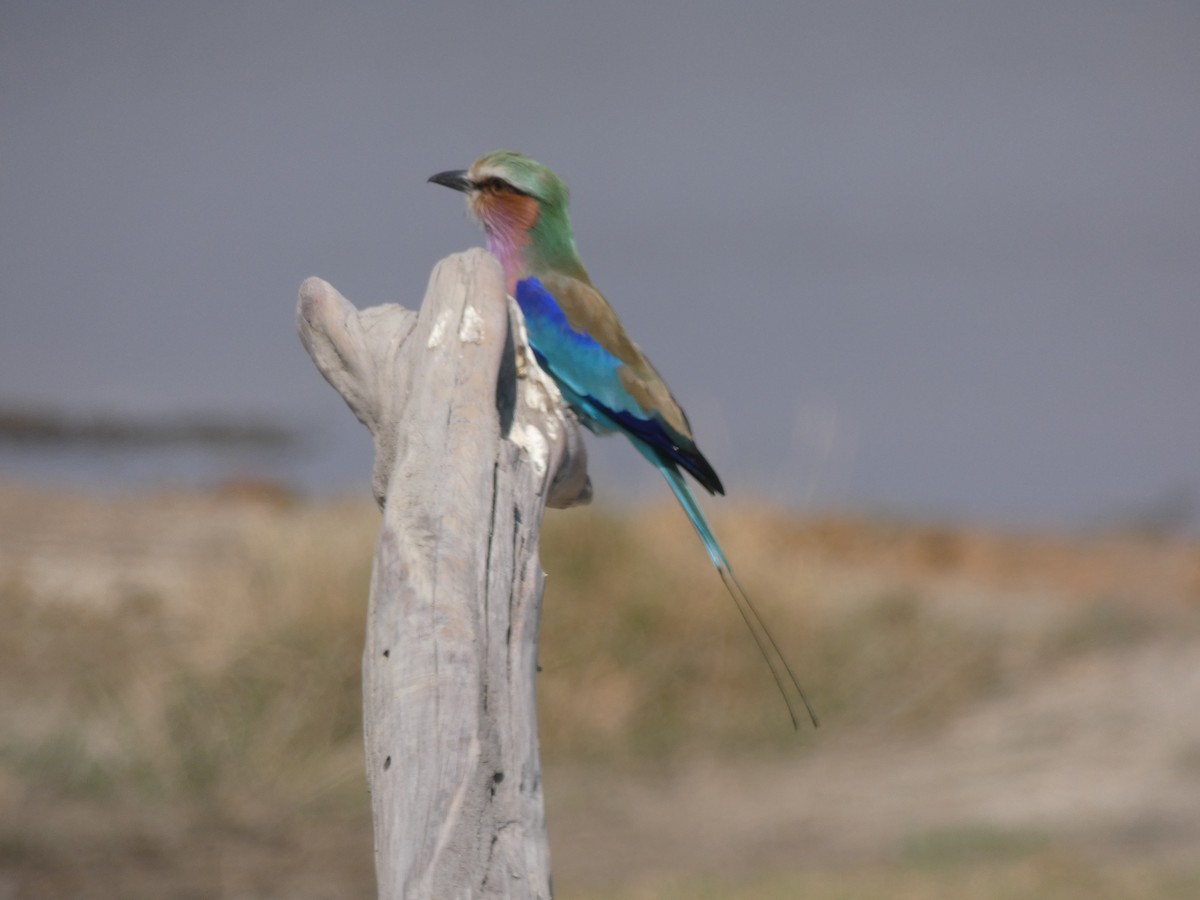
<point>578,340</point>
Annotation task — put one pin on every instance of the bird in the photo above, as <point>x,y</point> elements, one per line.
<point>578,340</point>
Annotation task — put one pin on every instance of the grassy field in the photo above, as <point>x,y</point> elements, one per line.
<point>1004,715</point>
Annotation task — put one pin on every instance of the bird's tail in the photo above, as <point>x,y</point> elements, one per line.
<point>788,685</point>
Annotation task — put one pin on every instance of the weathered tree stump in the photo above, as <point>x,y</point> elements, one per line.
<point>472,441</point>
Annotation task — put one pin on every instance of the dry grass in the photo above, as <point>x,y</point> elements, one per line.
<point>645,656</point>
<point>186,721</point>
<point>150,729</point>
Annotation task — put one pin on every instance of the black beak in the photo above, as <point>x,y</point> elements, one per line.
<point>455,178</point>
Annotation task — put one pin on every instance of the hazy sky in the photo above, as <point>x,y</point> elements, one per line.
<point>931,258</point>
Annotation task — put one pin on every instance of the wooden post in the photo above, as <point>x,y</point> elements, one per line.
<point>472,441</point>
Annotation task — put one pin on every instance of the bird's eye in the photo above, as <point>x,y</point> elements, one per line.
<point>496,185</point>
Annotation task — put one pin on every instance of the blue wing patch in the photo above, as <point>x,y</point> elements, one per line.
<point>586,373</point>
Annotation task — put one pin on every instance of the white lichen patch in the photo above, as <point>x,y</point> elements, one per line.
<point>471,329</point>
<point>439,330</point>
<point>542,397</point>
<point>520,338</point>
<point>530,439</point>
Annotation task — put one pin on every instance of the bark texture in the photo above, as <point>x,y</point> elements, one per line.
<point>472,441</point>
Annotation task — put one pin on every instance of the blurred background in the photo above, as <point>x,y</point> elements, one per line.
<point>926,278</point>
<point>937,258</point>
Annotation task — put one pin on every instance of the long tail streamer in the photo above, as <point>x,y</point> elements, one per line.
<point>785,679</point>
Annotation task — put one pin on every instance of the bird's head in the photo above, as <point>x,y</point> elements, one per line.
<point>522,206</point>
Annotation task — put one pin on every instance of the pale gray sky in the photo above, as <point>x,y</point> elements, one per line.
<point>932,258</point>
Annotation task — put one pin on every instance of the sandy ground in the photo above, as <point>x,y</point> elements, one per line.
<point>1103,758</point>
